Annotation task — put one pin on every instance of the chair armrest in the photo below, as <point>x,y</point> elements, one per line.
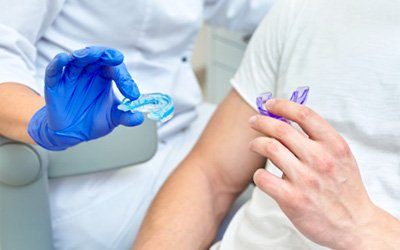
<point>25,221</point>
<point>24,207</point>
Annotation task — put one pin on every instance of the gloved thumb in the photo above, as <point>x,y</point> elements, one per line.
<point>126,118</point>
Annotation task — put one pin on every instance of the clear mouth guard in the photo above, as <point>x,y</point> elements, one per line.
<point>298,96</point>
<point>158,106</point>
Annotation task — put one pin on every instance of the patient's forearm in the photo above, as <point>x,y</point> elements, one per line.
<point>188,210</point>
<point>185,214</point>
<point>18,104</point>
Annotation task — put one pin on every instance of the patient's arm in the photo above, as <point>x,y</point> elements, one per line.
<point>194,200</point>
<point>18,104</point>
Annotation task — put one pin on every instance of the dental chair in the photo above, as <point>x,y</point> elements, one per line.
<point>25,169</point>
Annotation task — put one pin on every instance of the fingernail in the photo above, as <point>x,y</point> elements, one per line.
<point>253,119</point>
<point>258,174</point>
<point>270,103</point>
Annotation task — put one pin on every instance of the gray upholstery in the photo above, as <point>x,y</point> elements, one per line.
<point>24,170</point>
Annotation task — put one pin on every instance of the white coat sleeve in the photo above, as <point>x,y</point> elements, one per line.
<point>241,15</point>
<point>21,25</point>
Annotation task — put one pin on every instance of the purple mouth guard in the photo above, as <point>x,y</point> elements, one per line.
<point>298,96</point>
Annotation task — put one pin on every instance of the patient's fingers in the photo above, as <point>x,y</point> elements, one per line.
<point>312,124</point>
<point>272,185</point>
<point>290,137</point>
<point>273,150</point>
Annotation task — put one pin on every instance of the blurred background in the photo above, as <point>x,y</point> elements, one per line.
<point>216,57</point>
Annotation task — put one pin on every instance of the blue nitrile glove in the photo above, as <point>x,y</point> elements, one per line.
<point>80,102</point>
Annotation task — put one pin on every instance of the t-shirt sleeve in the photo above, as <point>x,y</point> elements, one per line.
<point>259,69</point>
<point>236,14</point>
<point>21,24</point>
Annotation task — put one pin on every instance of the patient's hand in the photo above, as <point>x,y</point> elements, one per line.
<point>321,189</point>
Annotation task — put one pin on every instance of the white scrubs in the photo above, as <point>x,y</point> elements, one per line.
<point>103,211</point>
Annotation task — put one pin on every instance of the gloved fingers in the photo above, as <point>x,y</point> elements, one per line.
<point>55,68</point>
<point>110,57</point>
<point>82,58</point>
<point>123,80</point>
<point>126,118</point>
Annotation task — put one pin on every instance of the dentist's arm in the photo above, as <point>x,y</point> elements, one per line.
<point>189,208</point>
<point>18,104</point>
<point>18,99</point>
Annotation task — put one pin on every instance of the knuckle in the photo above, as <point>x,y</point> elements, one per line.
<point>281,129</point>
<point>310,181</point>
<point>271,146</point>
<point>125,79</point>
<point>59,56</point>
<point>49,68</point>
<point>304,114</point>
<point>264,145</point>
<point>326,165</point>
<point>62,55</point>
<point>303,200</point>
<point>342,148</point>
<point>321,162</point>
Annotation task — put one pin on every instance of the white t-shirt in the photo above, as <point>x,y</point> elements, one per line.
<point>348,52</point>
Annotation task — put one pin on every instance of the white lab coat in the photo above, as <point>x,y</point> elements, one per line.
<point>156,37</point>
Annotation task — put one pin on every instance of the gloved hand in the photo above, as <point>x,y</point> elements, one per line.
<point>80,102</point>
